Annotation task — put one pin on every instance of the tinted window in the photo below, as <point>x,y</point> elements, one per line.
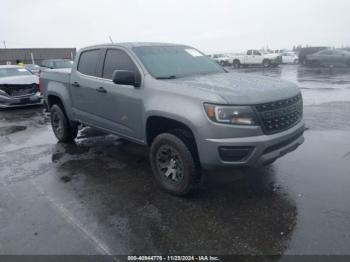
<point>88,62</point>
<point>249,52</point>
<point>117,60</point>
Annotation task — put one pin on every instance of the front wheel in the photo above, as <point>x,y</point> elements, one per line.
<point>315,63</point>
<point>62,128</point>
<point>173,163</point>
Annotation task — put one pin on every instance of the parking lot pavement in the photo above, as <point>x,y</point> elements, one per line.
<point>98,196</point>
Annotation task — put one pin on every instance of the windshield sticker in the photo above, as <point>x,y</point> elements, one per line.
<point>193,52</point>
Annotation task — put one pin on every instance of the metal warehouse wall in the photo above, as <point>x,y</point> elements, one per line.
<point>24,54</point>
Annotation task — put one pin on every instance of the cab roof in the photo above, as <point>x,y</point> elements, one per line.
<point>130,45</point>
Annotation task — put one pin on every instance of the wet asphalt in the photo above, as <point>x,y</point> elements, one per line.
<point>98,196</point>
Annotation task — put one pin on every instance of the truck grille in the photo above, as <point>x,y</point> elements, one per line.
<point>280,115</point>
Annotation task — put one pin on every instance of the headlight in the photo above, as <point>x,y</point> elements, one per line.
<point>234,115</point>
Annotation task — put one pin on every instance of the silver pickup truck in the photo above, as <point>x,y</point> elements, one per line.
<point>188,110</point>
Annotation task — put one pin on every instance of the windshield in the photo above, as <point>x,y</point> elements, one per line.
<point>175,61</point>
<point>6,72</point>
<point>63,64</point>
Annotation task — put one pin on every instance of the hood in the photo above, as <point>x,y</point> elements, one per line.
<point>19,80</point>
<point>240,88</point>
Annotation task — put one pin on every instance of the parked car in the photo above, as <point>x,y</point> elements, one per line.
<point>57,63</point>
<point>255,57</point>
<point>192,113</point>
<point>35,69</point>
<point>289,58</point>
<point>279,51</point>
<point>329,57</point>
<point>303,52</point>
<point>18,87</point>
<point>222,59</point>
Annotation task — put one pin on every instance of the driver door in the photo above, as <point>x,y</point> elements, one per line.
<point>120,107</point>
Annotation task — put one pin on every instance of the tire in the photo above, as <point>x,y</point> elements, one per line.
<point>223,63</point>
<point>296,61</point>
<point>266,63</point>
<point>315,63</point>
<point>236,64</point>
<point>174,162</point>
<point>64,131</point>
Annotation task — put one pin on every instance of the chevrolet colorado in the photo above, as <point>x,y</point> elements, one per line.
<point>187,109</point>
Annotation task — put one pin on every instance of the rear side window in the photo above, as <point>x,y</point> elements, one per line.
<point>117,60</point>
<point>88,62</point>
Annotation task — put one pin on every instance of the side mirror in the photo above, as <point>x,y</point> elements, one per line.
<point>125,77</point>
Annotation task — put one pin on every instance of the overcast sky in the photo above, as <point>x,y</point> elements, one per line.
<point>210,25</point>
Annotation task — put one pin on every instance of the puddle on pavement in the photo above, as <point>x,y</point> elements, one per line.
<point>8,130</point>
<point>306,77</point>
<point>66,179</point>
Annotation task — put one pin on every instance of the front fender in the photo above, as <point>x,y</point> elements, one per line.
<point>185,110</point>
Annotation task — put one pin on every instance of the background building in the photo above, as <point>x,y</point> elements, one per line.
<point>36,55</point>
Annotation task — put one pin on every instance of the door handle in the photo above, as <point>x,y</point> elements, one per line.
<point>76,84</point>
<point>101,90</point>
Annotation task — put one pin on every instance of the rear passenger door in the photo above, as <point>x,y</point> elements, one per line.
<point>84,82</point>
<point>248,57</point>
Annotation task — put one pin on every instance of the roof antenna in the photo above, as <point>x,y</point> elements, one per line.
<point>110,39</point>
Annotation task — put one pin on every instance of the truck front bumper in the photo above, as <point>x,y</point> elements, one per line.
<point>249,151</point>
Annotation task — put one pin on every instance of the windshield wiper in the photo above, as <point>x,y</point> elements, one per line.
<point>166,77</point>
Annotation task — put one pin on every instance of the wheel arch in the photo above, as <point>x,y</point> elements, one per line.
<point>157,124</point>
<point>55,99</point>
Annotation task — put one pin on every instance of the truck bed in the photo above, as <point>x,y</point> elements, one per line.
<point>60,75</point>
<point>56,80</point>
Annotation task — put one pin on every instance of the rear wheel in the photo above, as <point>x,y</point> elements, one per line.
<point>223,63</point>
<point>236,64</point>
<point>62,128</point>
<point>174,162</point>
<point>266,63</point>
